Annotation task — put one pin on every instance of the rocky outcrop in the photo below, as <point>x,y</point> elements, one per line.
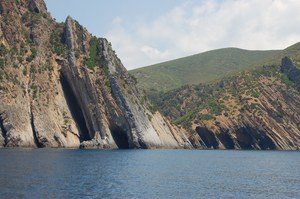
<point>287,67</point>
<point>125,122</point>
<point>254,110</point>
<point>37,6</point>
<point>62,87</point>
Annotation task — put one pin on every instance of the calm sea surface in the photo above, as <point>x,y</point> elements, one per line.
<point>61,173</point>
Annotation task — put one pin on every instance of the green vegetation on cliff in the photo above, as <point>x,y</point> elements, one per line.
<point>230,98</point>
<point>257,94</point>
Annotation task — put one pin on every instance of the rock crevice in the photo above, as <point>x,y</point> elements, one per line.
<point>34,132</point>
<point>75,110</point>
<point>3,140</point>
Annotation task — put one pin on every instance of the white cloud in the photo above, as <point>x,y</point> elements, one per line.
<point>153,53</point>
<point>195,27</point>
<point>117,21</point>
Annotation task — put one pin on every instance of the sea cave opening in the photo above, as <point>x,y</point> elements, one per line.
<point>75,109</point>
<point>208,137</point>
<point>248,137</point>
<point>120,137</point>
<point>226,139</point>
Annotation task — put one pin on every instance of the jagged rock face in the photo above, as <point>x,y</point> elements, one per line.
<point>288,68</point>
<point>32,108</point>
<point>255,110</point>
<point>37,6</point>
<point>62,87</point>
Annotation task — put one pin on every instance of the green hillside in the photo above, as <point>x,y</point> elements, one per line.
<point>203,68</point>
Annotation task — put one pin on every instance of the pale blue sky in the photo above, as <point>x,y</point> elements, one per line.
<point>97,15</point>
<point>145,32</point>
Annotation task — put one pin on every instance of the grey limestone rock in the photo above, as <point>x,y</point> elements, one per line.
<point>37,6</point>
<point>70,89</point>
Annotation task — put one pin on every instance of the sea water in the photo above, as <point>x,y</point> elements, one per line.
<point>62,173</point>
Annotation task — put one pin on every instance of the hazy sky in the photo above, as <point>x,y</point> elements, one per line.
<point>145,32</point>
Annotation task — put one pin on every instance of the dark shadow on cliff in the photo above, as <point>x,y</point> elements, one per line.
<point>226,139</point>
<point>248,137</point>
<point>2,129</point>
<point>35,134</point>
<point>75,109</point>
<point>120,136</point>
<point>208,137</point>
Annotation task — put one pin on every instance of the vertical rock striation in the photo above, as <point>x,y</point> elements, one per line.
<point>62,87</point>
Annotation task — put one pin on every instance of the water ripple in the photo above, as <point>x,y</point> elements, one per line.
<point>58,173</point>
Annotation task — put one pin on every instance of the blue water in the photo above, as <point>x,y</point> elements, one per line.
<point>59,173</point>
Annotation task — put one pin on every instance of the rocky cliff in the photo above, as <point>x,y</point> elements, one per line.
<point>62,87</point>
<point>257,109</point>
<point>290,70</point>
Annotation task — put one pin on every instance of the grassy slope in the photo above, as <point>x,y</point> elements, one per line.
<point>205,67</point>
